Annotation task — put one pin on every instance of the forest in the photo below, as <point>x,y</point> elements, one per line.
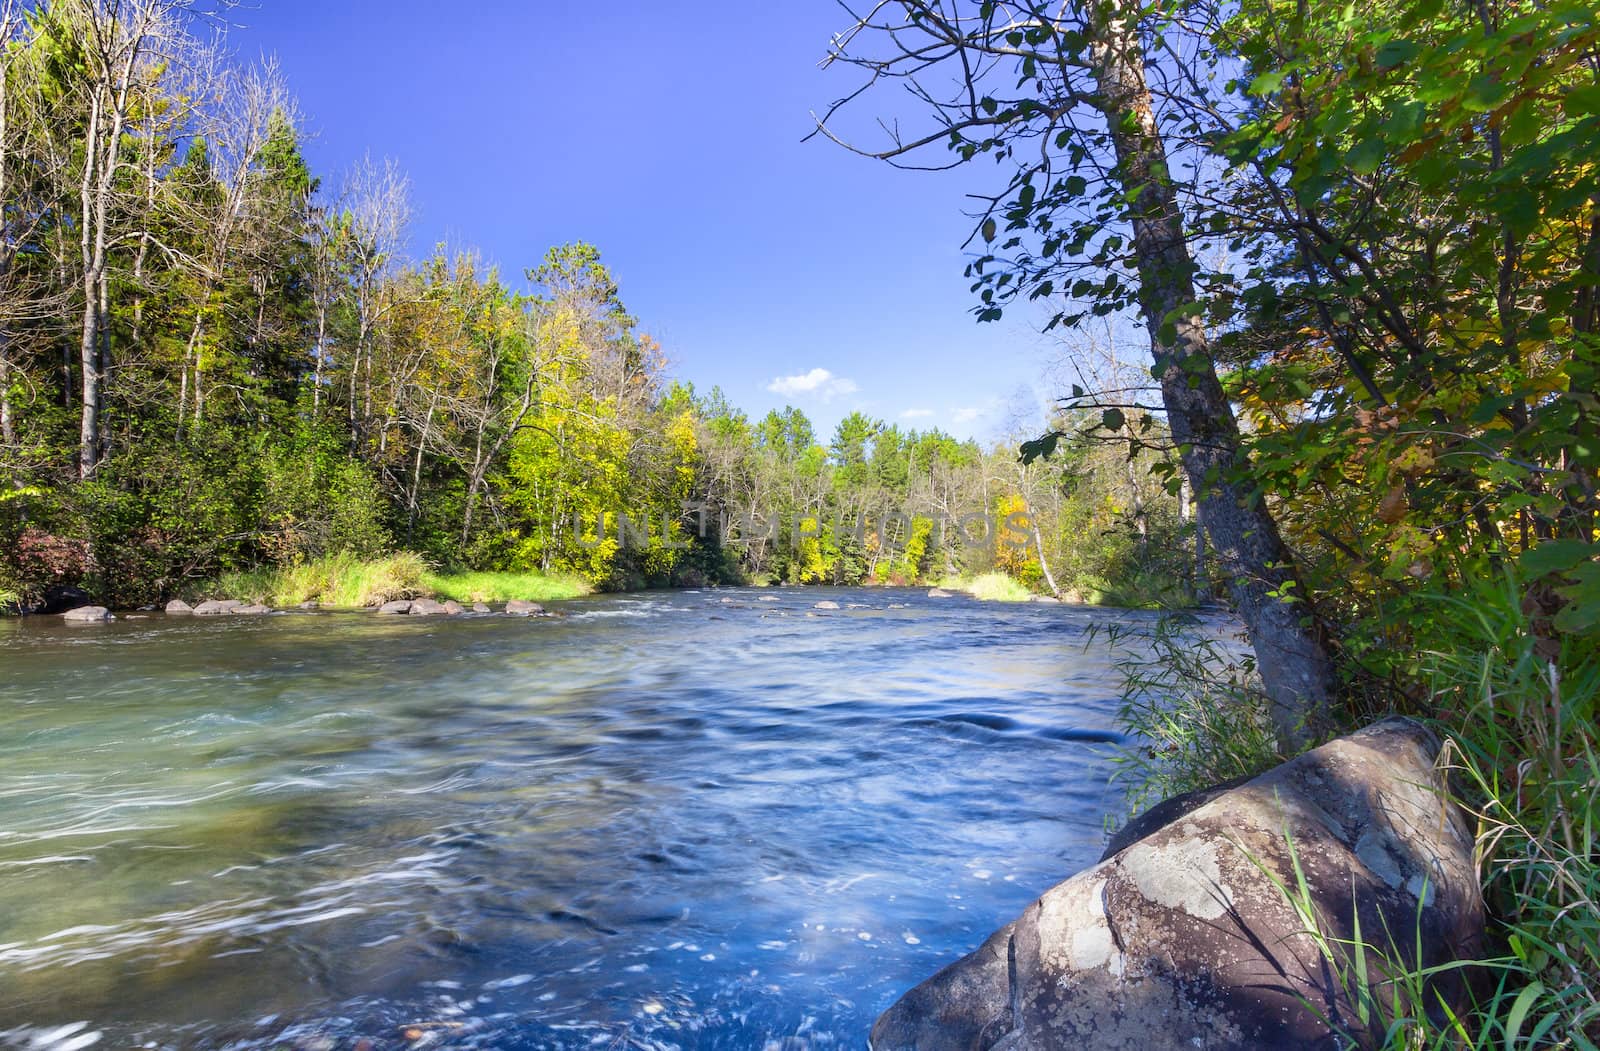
<point>214,361</point>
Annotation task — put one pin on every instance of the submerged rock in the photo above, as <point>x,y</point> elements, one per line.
<point>254,609</point>
<point>826,604</point>
<point>217,607</point>
<point>940,593</point>
<point>86,615</point>
<point>177,605</point>
<point>1182,940</point>
<point>522,608</point>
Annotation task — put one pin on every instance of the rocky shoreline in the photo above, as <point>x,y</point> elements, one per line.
<point>421,607</point>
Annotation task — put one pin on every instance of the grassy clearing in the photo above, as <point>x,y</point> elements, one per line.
<point>344,581</point>
<point>996,587</point>
<point>503,587</point>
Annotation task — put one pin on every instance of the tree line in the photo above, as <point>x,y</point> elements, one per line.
<point>211,359</point>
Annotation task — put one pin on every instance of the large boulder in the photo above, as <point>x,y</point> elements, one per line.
<point>86,615</point>
<point>1196,935</point>
<point>523,608</point>
<point>177,605</point>
<point>427,607</point>
<point>217,607</point>
<point>397,606</point>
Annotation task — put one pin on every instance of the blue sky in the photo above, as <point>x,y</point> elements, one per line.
<point>669,135</point>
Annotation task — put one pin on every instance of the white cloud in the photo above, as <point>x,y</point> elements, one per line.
<point>916,414</point>
<point>966,415</point>
<point>818,382</point>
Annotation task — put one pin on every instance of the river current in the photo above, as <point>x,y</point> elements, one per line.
<point>717,819</point>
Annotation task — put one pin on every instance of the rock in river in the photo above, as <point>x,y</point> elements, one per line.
<point>397,606</point>
<point>86,615</point>
<point>940,593</point>
<point>826,604</point>
<point>427,607</point>
<point>177,605</point>
<point>216,607</point>
<point>522,608</point>
<point>1183,940</point>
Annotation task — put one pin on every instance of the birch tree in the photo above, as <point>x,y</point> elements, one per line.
<point>1058,94</point>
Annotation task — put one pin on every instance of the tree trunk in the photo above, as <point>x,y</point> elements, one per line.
<point>1293,662</point>
<point>1038,545</point>
<point>8,434</point>
<point>88,342</point>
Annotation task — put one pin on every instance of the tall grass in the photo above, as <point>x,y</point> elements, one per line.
<point>503,587</point>
<point>1525,726</point>
<point>346,581</point>
<point>996,587</point>
<point>1194,706</point>
<point>341,581</point>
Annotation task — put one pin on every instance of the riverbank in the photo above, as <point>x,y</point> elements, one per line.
<point>347,582</point>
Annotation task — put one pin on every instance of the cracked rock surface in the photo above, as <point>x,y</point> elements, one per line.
<point>1194,935</point>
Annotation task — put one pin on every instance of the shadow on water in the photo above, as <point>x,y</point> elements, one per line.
<point>662,820</point>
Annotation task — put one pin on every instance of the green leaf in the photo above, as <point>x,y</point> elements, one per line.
<point>1113,419</point>
<point>1519,1011</point>
<point>1268,82</point>
<point>1366,157</point>
<point>1556,556</point>
<point>1397,53</point>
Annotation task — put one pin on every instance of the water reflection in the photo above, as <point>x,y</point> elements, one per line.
<point>674,819</point>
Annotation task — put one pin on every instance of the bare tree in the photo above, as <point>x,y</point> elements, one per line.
<point>227,225</point>
<point>123,43</point>
<point>376,204</point>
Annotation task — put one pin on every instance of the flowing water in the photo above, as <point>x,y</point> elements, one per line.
<point>690,819</point>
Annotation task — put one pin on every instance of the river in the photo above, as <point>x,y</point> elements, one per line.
<point>719,819</point>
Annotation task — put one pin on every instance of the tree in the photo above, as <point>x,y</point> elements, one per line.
<point>1061,94</point>
<point>108,51</point>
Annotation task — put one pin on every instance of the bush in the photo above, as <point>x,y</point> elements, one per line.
<point>316,501</point>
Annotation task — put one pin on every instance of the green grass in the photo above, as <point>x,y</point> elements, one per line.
<point>503,587</point>
<point>996,587</point>
<point>345,581</point>
<point>340,581</point>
